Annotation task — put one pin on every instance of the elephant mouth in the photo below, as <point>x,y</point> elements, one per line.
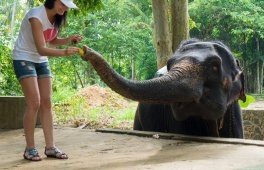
<point>214,109</point>
<point>205,108</point>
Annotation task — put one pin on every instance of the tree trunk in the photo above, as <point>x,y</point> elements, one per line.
<point>260,67</point>
<point>162,36</point>
<point>261,80</point>
<point>179,22</point>
<point>253,78</point>
<point>133,68</point>
<point>257,86</point>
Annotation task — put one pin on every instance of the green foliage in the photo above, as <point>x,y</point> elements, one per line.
<point>88,5</point>
<point>249,99</point>
<point>11,14</point>
<point>83,5</point>
<point>233,18</point>
<point>63,94</point>
<point>122,36</point>
<point>8,81</point>
<point>69,109</point>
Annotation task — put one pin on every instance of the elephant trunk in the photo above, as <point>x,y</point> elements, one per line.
<point>172,87</point>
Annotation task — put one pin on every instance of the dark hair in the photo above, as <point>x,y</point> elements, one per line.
<point>60,20</point>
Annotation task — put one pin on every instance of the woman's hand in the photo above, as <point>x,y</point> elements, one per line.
<point>75,39</point>
<point>70,51</point>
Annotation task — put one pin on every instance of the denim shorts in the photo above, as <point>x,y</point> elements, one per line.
<point>24,69</point>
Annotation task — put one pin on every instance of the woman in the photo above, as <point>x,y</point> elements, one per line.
<point>39,30</point>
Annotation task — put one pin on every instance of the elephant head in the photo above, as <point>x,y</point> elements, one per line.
<point>201,79</point>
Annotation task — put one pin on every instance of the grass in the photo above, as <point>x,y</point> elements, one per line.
<point>74,111</point>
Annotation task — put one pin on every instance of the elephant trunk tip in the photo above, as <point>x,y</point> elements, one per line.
<point>88,53</point>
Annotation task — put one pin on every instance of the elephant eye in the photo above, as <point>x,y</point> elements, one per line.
<point>215,68</point>
<point>215,63</point>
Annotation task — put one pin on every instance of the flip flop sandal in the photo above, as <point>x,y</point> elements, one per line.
<point>54,152</point>
<point>31,154</point>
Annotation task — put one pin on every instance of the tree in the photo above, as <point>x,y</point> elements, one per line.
<point>170,27</point>
<point>240,24</point>
<point>179,22</point>
<point>162,34</point>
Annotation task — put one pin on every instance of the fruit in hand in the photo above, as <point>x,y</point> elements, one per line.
<point>81,52</point>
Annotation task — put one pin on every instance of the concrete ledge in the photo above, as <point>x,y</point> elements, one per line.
<point>159,135</point>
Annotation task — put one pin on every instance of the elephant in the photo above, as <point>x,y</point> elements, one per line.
<point>196,93</point>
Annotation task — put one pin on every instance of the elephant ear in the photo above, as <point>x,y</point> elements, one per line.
<point>236,65</point>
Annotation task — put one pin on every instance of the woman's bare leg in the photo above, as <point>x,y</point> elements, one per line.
<point>45,90</point>
<point>31,93</point>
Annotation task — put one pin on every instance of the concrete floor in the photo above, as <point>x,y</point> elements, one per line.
<point>117,149</point>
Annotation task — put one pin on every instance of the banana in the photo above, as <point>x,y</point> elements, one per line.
<point>81,52</point>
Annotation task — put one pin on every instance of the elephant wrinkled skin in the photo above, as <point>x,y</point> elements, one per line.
<point>196,93</point>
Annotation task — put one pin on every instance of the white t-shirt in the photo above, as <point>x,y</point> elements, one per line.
<point>25,48</point>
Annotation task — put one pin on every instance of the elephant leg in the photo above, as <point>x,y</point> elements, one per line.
<point>233,122</point>
<point>159,118</point>
<point>137,124</point>
<point>195,126</point>
<point>212,128</point>
<point>150,117</point>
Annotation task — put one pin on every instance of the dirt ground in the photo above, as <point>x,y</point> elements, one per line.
<point>97,96</point>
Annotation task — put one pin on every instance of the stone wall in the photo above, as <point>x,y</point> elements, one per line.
<point>254,124</point>
<point>11,112</point>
